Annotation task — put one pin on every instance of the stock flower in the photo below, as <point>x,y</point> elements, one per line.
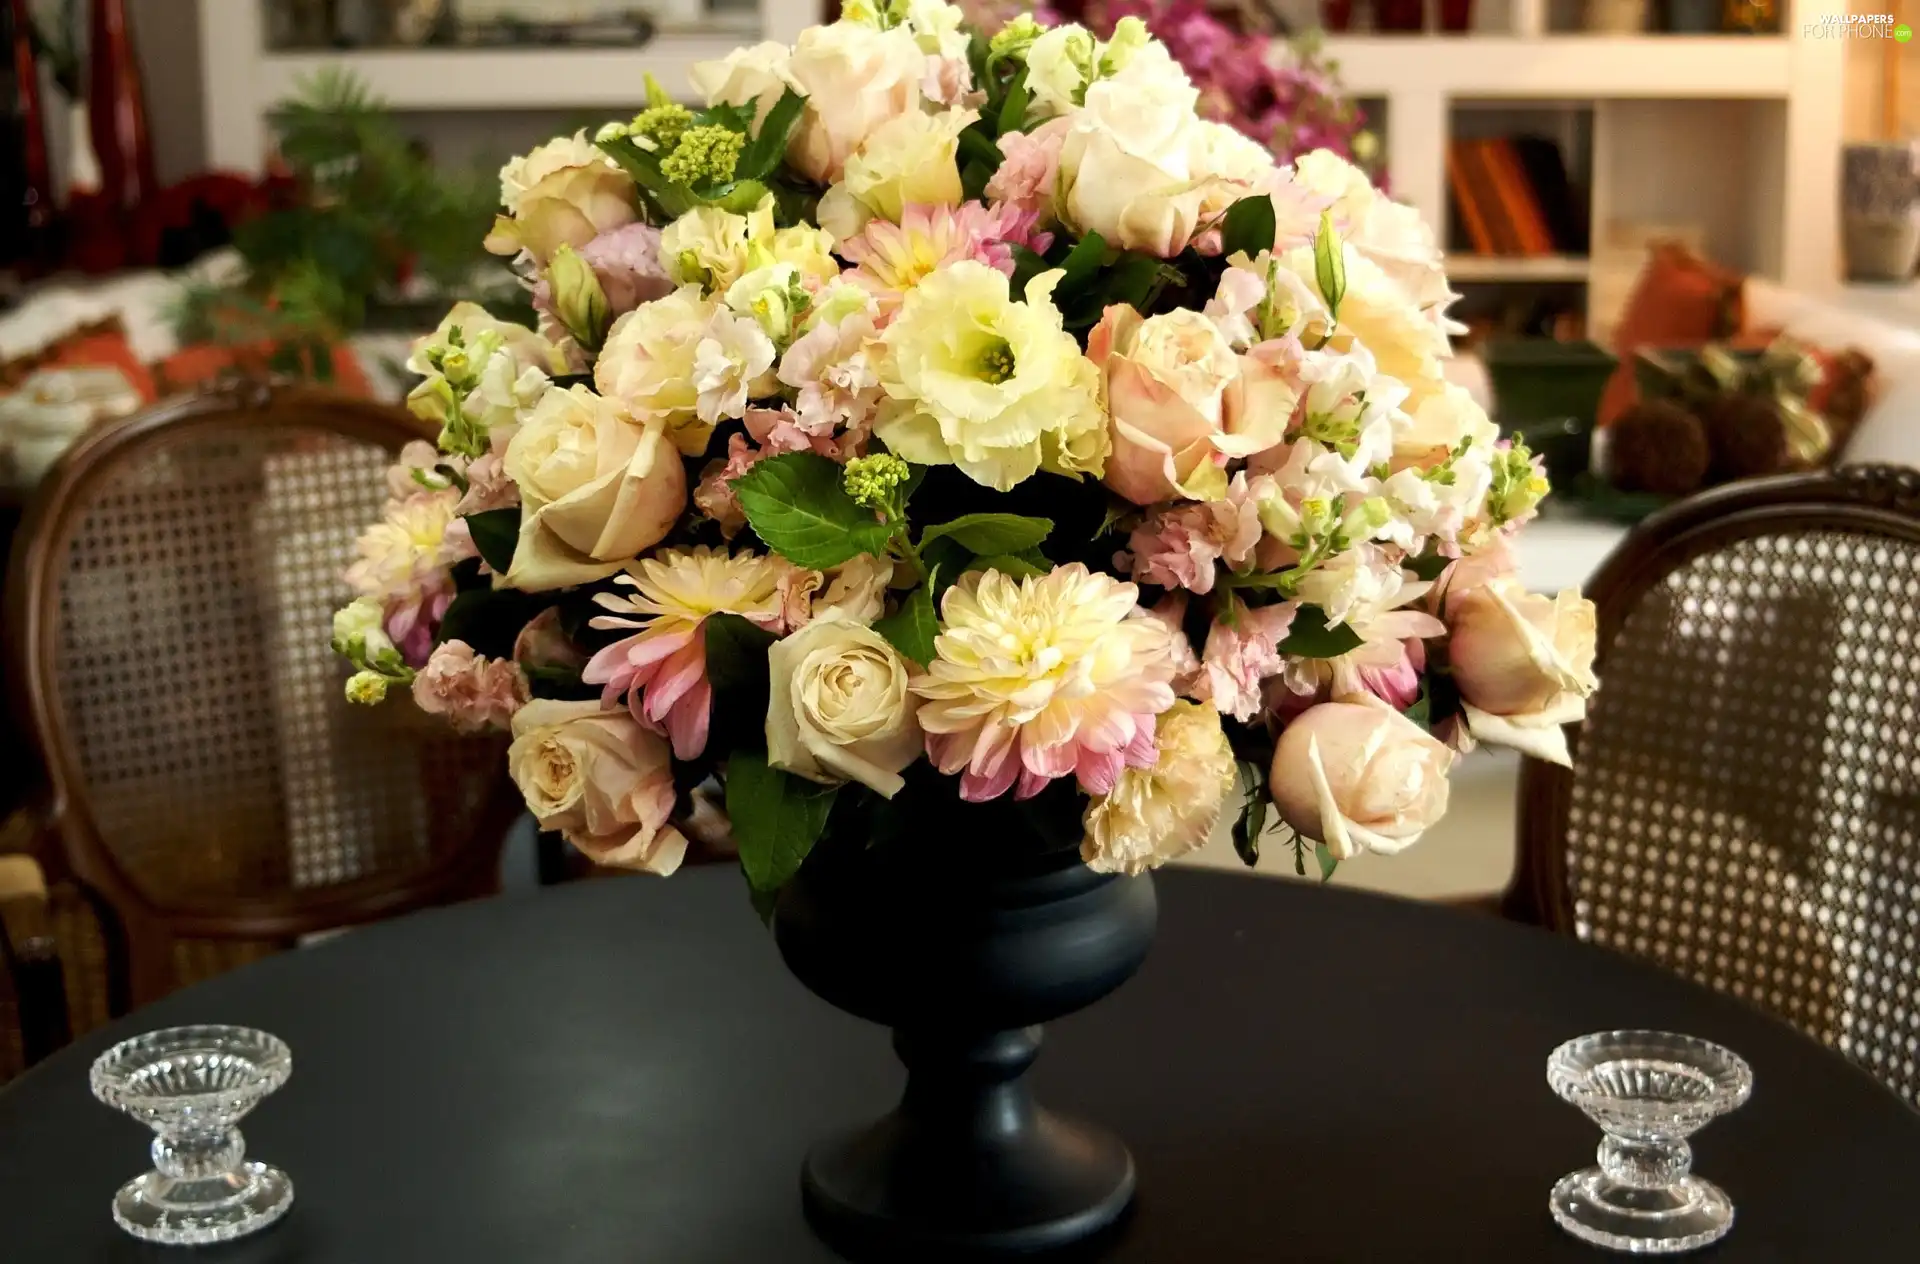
<point>856,589</point>
<point>1359,776</point>
<point>1176,546</point>
<point>855,78</point>
<point>832,369</point>
<point>602,781</point>
<point>626,262</point>
<point>910,160</point>
<point>1169,808</point>
<point>402,563</point>
<point>478,375</point>
<point>686,362</point>
<point>838,706</point>
<point>1029,169</point>
<point>994,386</point>
<point>1042,677</point>
<point>565,193</point>
<point>473,692</point>
<point>596,487</point>
<point>1523,663</point>
<point>661,670</point>
<point>1242,651</point>
<point>1388,663</point>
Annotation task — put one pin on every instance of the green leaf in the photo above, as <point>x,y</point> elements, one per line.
<point>795,503</point>
<point>973,181</point>
<point>645,170</point>
<point>495,533</point>
<point>1027,264</point>
<point>1013,110</point>
<point>946,561</point>
<point>1420,710</point>
<point>776,818</point>
<point>976,145</point>
<point>1310,637</point>
<point>1083,260</point>
<point>737,669</point>
<point>1136,280</point>
<point>1252,822</point>
<point>912,627</point>
<point>991,532</point>
<point>1299,855</point>
<point>740,197</point>
<point>489,619</point>
<point>1008,564</point>
<point>764,152</point>
<point>1248,227</point>
<point>1327,863</point>
<point>764,902</point>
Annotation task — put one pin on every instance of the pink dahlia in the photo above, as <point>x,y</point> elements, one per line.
<point>661,670</point>
<point>1041,677</point>
<point>893,258</point>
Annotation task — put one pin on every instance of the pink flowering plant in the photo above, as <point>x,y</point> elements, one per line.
<point>941,421</point>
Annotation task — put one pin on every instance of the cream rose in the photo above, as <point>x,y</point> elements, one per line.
<point>1166,382</point>
<point>1524,664</point>
<point>855,78</point>
<point>1359,776</point>
<point>1060,66</point>
<point>596,487</point>
<point>755,76</point>
<point>601,780</point>
<point>911,159</point>
<point>1126,165</point>
<point>839,708</point>
<point>564,193</point>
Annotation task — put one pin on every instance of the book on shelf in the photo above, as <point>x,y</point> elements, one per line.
<point>1512,197</point>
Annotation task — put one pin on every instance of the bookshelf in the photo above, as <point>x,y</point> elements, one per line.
<point>1739,135</point>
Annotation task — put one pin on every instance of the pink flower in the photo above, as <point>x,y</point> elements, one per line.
<point>417,461</point>
<point>1029,168</point>
<point>893,258</point>
<point>488,487</point>
<point>1171,611</point>
<point>412,622</point>
<point>626,262</point>
<point>1177,546</point>
<point>403,562</point>
<point>661,671</point>
<point>1242,651</point>
<point>1053,675</point>
<point>475,693</point>
<point>1388,664</point>
<point>774,430</point>
<point>833,368</point>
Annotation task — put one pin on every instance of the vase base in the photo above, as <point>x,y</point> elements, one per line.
<point>888,1192</point>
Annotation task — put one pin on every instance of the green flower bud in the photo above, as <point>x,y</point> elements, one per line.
<point>1015,38</point>
<point>578,299</point>
<point>1130,35</point>
<point>1329,264</point>
<point>871,480</point>
<point>706,154</point>
<point>433,400</point>
<point>366,688</point>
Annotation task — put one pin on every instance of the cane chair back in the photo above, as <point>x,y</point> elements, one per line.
<point>1744,805</point>
<point>208,782</point>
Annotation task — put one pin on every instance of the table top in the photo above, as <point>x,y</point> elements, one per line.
<point>622,1070</point>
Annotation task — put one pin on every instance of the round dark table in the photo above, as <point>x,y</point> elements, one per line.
<point>622,1071</point>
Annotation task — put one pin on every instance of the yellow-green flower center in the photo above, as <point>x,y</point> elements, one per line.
<point>996,362</point>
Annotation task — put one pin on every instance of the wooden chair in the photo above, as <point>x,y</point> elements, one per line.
<point>1744,806</point>
<point>210,796</point>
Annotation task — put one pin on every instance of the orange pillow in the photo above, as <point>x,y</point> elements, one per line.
<point>1679,300</point>
<point>201,363</point>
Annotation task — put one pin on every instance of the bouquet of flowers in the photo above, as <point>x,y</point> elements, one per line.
<point>934,419</point>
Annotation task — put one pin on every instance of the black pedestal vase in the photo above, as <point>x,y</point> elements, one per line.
<point>964,969</point>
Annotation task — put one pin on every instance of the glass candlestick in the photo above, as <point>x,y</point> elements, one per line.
<point>192,1085</point>
<point>1649,1091</point>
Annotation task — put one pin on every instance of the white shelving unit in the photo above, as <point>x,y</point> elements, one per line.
<point>1738,133</point>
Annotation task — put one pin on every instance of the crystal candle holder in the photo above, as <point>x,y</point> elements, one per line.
<point>1649,1091</point>
<point>192,1085</point>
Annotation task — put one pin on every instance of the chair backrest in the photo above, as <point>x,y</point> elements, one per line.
<point>1744,803</point>
<point>170,605</point>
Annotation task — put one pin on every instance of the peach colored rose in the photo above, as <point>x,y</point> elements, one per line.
<point>855,77</point>
<point>1359,776</point>
<point>596,488</point>
<point>1524,664</point>
<point>473,692</point>
<point>1165,381</point>
<point>600,779</point>
<point>565,193</point>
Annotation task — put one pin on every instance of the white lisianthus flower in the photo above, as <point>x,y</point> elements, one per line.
<point>565,193</point>
<point>909,160</point>
<point>977,379</point>
<point>755,75</point>
<point>686,362</point>
<point>1169,808</point>
<point>838,706</point>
